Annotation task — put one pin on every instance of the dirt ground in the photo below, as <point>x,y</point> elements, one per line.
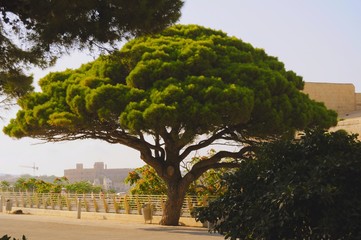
<point>36,227</point>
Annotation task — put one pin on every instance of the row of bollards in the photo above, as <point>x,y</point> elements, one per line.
<point>6,205</point>
<point>147,211</point>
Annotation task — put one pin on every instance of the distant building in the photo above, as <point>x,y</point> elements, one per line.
<point>100,175</point>
<point>340,97</point>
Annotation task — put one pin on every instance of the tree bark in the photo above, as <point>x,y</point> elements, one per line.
<point>173,205</point>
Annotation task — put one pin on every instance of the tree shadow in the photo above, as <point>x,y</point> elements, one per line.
<point>190,231</point>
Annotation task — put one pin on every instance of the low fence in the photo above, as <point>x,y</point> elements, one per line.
<point>107,203</point>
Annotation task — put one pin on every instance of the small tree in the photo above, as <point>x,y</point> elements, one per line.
<point>43,187</point>
<point>33,184</point>
<point>25,184</point>
<point>4,185</point>
<point>18,185</point>
<point>308,188</point>
<point>145,180</point>
<point>82,187</point>
<point>59,184</point>
<point>170,95</point>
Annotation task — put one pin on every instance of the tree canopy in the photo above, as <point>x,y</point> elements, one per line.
<point>170,95</point>
<point>301,189</point>
<point>36,32</point>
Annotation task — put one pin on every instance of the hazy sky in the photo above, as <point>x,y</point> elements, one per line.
<point>318,39</point>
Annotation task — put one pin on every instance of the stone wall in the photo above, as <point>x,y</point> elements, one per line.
<point>340,97</point>
<point>358,101</point>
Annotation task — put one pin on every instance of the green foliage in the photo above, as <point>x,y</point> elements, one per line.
<point>36,32</point>
<point>145,181</point>
<point>82,187</point>
<point>303,189</point>
<point>23,184</point>
<point>188,78</point>
<point>4,185</point>
<point>33,184</point>
<point>59,184</point>
<point>169,95</point>
<point>41,186</point>
<point>14,83</point>
<point>210,183</point>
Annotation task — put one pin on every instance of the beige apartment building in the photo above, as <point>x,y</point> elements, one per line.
<point>340,97</point>
<point>100,175</point>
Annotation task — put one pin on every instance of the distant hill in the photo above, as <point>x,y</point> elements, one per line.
<point>8,177</point>
<point>13,178</point>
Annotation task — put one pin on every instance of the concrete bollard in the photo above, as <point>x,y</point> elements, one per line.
<point>78,205</point>
<point>1,203</point>
<point>8,205</point>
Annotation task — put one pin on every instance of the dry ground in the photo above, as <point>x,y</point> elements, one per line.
<point>59,228</point>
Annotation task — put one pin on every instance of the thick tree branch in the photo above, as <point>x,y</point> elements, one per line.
<point>214,162</point>
<point>194,174</point>
<point>216,158</point>
<point>203,143</point>
<point>111,136</point>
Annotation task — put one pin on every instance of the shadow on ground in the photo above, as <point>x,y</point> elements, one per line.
<point>195,232</point>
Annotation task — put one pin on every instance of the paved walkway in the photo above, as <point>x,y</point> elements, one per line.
<point>48,227</point>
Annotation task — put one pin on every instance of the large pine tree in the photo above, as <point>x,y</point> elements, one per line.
<point>170,95</point>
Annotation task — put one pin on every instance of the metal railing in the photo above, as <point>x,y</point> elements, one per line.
<point>106,203</point>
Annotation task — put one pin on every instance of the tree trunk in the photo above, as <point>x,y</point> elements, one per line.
<point>173,205</point>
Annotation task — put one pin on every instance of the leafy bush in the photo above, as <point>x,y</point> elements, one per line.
<point>308,188</point>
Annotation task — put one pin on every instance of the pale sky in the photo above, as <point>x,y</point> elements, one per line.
<point>318,39</point>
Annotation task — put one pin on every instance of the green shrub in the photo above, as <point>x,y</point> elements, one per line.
<point>308,188</point>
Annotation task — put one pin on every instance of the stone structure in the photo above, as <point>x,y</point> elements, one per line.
<point>99,175</point>
<point>340,97</point>
<point>358,101</point>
